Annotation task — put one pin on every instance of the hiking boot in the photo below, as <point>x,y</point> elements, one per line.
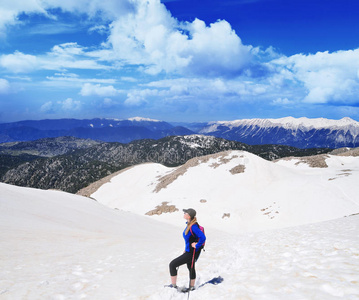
<point>190,289</point>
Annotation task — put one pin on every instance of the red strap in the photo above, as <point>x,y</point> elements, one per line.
<point>194,251</point>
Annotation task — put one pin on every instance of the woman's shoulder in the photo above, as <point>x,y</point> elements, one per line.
<point>195,226</point>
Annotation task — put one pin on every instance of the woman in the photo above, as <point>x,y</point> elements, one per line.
<point>194,240</point>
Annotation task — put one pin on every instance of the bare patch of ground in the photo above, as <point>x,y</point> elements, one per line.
<point>226,215</point>
<point>351,152</point>
<point>163,208</point>
<point>315,161</point>
<point>238,169</point>
<point>347,172</point>
<point>222,160</point>
<point>166,180</point>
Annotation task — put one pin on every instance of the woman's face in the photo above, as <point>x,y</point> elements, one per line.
<point>187,217</point>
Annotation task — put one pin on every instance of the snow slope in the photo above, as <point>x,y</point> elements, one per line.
<point>237,191</point>
<point>56,245</point>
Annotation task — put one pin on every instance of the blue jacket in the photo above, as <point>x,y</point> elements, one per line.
<point>189,239</point>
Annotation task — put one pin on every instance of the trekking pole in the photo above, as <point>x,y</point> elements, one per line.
<point>189,286</point>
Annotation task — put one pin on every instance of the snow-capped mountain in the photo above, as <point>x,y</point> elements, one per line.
<point>296,132</point>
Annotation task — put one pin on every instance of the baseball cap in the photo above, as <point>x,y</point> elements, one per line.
<point>190,211</point>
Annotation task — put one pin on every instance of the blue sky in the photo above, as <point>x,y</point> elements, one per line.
<point>179,60</point>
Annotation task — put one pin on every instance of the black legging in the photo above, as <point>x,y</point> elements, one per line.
<point>185,258</point>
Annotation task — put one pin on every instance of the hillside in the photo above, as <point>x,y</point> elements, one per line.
<point>69,164</point>
<point>239,190</point>
<point>60,246</point>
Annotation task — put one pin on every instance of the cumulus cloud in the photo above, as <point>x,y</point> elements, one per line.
<point>327,77</point>
<point>142,33</point>
<point>211,58</point>
<point>151,36</point>
<point>19,62</point>
<point>89,89</point>
<point>137,97</point>
<point>4,86</point>
<point>70,104</point>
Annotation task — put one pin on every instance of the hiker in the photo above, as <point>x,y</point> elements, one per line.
<point>194,240</point>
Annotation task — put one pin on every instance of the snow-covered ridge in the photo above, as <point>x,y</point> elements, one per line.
<point>140,119</point>
<point>238,191</point>
<point>289,123</point>
<point>115,120</point>
<point>137,119</point>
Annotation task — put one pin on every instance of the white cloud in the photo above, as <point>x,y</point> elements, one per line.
<point>151,36</point>
<point>210,88</point>
<point>70,104</point>
<point>327,77</point>
<point>138,97</point>
<point>9,11</point>
<point>76,79</point>
<point>47,107</point>
<point>89,89</point>
<point>101,29</point>
<point>19,62</point>
<point>61,57</point>
<point>4,86</point>
<point>66,105</point>
<point>144,34</point>
<point>109,9</point>
<point>282,101</point>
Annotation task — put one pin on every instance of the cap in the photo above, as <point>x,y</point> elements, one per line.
<point>190,211</point>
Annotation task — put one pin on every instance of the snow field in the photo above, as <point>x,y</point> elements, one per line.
<point>316,261</point>
<point>58,246</point>
<point>266,195</point>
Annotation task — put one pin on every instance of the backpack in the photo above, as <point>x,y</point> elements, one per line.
<point>200,228</point>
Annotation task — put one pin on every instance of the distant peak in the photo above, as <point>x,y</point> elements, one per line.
<point>140,119</point>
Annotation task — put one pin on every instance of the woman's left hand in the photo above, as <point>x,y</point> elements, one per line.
<point>194,245</point>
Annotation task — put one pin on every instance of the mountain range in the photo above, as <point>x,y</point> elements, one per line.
<point>296,132</point>
<point>108,130</point>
